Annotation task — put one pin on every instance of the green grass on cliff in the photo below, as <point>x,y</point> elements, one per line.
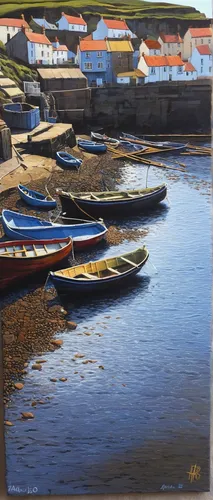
<point>11,69</point>
<point>139,9</point>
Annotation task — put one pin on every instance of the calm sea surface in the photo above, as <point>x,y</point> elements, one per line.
<point>138,419</point>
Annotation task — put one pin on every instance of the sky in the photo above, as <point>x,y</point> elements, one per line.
<point>204,6</point>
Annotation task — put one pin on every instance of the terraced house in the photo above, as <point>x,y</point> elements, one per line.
<point>161,68</point>
<point>171,45</point>
<point>119,58</point>
<point>32,48</point>
<point>195,37</point>
<point>92,60</point>
<point>9,27</point>
<point>111,28</point>
<point>201,59</point>
<point>72,23</point>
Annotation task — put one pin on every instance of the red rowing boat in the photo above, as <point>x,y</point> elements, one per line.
<point>19,259</point>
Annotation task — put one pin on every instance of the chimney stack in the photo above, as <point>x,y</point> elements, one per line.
<point>22,17</point>
<point>44,17</point>
<point>43,30</point>
<point>23,28</point>
<point>81,16</point>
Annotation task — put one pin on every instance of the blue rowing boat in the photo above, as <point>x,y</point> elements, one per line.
<point>91,147</point>
<point>35,199</point>
<point>99,275</point>
<point>22,227</point>
<point>67,160</point>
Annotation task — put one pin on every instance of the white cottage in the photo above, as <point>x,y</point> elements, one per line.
<point>195,37</point>
<point>33,48</point>
<point>189,72</point>
<point>201,59</point>
<point>112,28</point>
<point>170,44</point>
<point>60,52</point>
<point>161,68</point>
<point>150,48</point>
<point>72,23</point>
<point>9,27</point>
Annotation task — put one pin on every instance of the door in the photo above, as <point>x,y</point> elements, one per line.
<point>99,81</point>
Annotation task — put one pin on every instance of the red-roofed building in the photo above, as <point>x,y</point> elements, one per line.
<point>163,68</point>
<point>92,60</point>
<point>150,47</point>
<point>60,52</point>
<point>9,27</point>
<point>190,72</point>
<point>170,44</point>
<point>194,37</point>
<point>201,59</point>
<point>72,23</point>
<point>112,28</point>
<point>32,48</point>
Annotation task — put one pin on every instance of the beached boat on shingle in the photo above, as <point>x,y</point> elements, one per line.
<point>99,275</point>
<point>18,226</point>
<point>22,258</point>
<point>68,160</point>
<point>111,203</point>
<point>91,147</point>
<point>35,199</point>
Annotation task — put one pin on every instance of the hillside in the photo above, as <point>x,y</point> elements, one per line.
<point>136,10</point>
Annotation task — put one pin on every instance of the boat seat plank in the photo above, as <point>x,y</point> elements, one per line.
<point>113,270</point>
<point>95,197</point>
<point>129,261</point>
<point>87,275</point>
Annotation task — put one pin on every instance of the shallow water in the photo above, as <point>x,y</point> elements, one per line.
<point>138,418</point>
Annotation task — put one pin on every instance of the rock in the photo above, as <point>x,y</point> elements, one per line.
<point>27,414</point>
<point>8,339</point>
<point>18,386</point>
<point>63,379</point>
<point>25,365</point>
<point>37,367</point>
<point>38,361</point>
<point>34,403</point>
<point>7,422</point>
<point>107,317</point>
<point>71,325</point>
<point>102,367</point>
<point>23,372</point>
<point>87,333</point>
<point>57,342</point>
<point>75,372</point>
<point>21,337</point>
<point>79,355</point>
<point>53,379</point>
<point>41,402</point>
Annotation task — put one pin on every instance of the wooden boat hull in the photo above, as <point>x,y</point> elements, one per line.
<point>72,163</point>
<point>83,235</point>
<point>108,209</point>
<point>66,285</point>
<point>104,138</point>
<point>91,147</point>
<point>35,199</point>
<point>13,269</point>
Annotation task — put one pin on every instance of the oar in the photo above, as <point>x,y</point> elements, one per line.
<point>150,162</point>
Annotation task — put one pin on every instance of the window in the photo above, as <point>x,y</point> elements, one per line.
<point>32,45</point>
<point>201,40</point>
<point>72,27</point>
<point>99,54</point>
<point>87,55</point>
<point>201,62</point>
<point>201,70</point>
<point>209,41</point>
<point>152,71</point>
<point>31,53</point>
<point>42,53</point>
<point>7,28</point>
<point>195,41</point>
<point>48,54</point>
<point>155,52</point>
<point>100,65</point>
<point>180,69</point>
<point>84,27</point>
<point>210,57</point>
<point>119,55</point>
<point>168,45</point>
<point>164,69</point>
<point>108,65</point>
<point>210,69</point>
<point>178,44</point>
<point>88,65</point>
<point>14,29</point>
<point>187,74</point>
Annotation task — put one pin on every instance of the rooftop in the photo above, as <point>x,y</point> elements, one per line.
<point>114,24</point>
<point>45,23</point>
<point>152,44</point>
<point>74,20</point>
<point>200,32</point>
<point>16,23</point>
<point>92,45</point>
<point>163,61</point>
<point>204,50</point>
<point>61,47</point>
<point>132,74</point>
<point>189,67</point>
<point>63,73</point>
<point>37,38</point>
<point>119,46</point>
<point>171,38</point>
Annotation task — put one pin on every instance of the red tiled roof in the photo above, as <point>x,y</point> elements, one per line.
<point>171,38</point>
<point>113,24</point>
<point>16,23</point>
<point>188,67</point>
<point>61,47</point>
<point>74,20</point>
<point>152,44</point>
<point>200,32</point>
<point>37,38</point>
<point>88,45</point>
<point>163,61</point>
<point>88,37</point>
<point>203,50</point>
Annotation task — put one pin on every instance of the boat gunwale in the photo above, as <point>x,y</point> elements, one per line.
<point>40,242</point>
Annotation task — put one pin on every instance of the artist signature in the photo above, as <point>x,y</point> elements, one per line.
<point>169,487</point>
<point>29,490</point>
